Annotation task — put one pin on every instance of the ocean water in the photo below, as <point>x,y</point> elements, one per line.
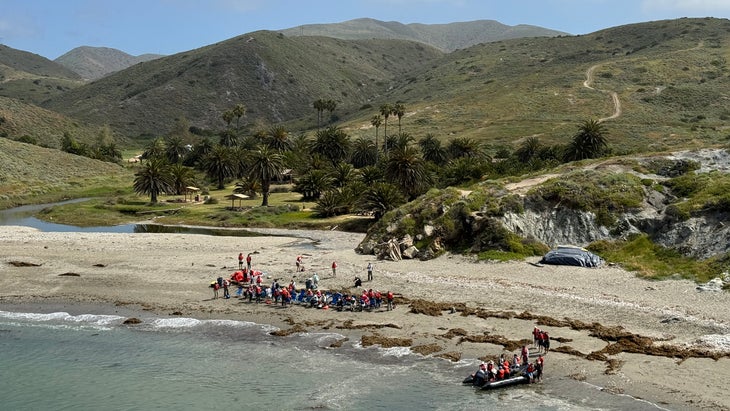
<point>59,361</point>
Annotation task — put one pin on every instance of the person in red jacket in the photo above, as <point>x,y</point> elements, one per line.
<point>389,296</point>
<point>248,261</point>
<point>240,261</point>
<point>334,269</point>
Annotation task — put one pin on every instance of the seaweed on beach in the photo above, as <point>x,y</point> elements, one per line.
<point>350,325</point>
<point>434,309</point>
<point>385,342</point>
<point>23,264</point>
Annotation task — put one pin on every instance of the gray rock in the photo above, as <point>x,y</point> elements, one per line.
<point>410,252</point>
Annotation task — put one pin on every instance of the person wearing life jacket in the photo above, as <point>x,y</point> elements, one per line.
<point>525,354</point>
<point>240,261</point>
<point>530,372</point>
<point>389,296</point>
<point>536,337</point>
<point>285,297</point>
<point>539,364</point>
<point>501,374</point>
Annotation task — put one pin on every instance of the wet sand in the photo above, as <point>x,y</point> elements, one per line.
<point>661,341</point>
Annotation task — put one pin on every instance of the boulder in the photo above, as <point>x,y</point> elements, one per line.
<point>410,252</point>
<point>428,230</point>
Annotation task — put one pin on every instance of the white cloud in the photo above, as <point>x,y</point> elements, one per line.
<point>687,6</point>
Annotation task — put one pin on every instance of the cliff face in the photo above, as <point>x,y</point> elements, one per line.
<point>699,237</point>
<point>452,220</point>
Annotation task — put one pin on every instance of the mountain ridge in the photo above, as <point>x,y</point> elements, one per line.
<point>92,63</point>
<point>446,37</point>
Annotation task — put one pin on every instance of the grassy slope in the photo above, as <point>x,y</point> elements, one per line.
<point>32,78</point>
<point>671,78</point>
<point>47,127</point>
<point>30,173</point>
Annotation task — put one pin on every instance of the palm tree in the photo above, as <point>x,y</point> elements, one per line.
<point>330,105</point>
<point>376,121</point>
<point>182,177</point>
<point>264,164</point>
<point>464,147</point>
<point>313,183</point>
<point>155,149</point>
<point>175,149</point>
<point>153,179</point>
<point>386,110</point>
<point>399,110</point>
<point>278,138</point>
<point>406,169</point>
<point>228,117</point>
<point>219,165</point>
<point>197,154</point>
<point>401,140</point>
<point>381,198</point>
<point>431,149</point>
<point>528,150</point>
<point>590,142</point>
<point>370,175</point>
<point>239,110</point>
<point>320,105</point>
<point>333,143</point>
<point>342,174</point>
<point>364,153</point>
<point>228,138</point>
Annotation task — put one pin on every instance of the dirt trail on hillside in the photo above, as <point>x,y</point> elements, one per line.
<point>614,96</point>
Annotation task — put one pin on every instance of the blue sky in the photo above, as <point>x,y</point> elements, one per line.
<point>53,27</point>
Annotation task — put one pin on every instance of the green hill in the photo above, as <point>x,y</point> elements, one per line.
<point>92,63</point>
<point>276,77</point>
<point>446,37</point>
<point>31,78</point>
<point>670,77</point>
<point>45,127</point>
<point>26,173</point>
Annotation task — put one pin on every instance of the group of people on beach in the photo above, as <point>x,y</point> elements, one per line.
<point>249,285</point>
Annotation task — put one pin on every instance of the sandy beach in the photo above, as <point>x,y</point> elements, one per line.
<point>665,342</point>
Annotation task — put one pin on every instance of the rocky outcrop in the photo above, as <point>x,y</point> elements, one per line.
<point>447,220</point>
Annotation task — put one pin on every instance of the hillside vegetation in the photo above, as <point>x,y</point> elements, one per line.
<point>670,77</point>
<point>30,171</point>
<point>43,127</point>
<point>276,77</point>
<point>446,37</point>
<point>31,78</point>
